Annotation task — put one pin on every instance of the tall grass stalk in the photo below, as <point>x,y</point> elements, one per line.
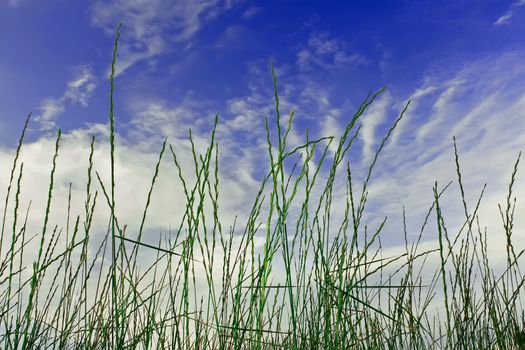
<point>117,337</point>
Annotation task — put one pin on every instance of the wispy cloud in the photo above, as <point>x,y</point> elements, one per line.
<point>507,16</point>
<point>486,114</point>
<point>329,53</point>
<point>78,91</point>
<point>50,109</point>
<point>372,118</point>
<point>154,24</point>
<point>232,37</point>
<point>414,99</point>
<point>250,12</point>
<point>439,105</point>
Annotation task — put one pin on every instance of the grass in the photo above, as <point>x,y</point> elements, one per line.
<point>290,277</point>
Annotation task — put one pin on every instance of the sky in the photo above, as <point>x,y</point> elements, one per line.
<point>461,64</point>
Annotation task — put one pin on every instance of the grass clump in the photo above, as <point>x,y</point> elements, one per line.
<point>290,277</point>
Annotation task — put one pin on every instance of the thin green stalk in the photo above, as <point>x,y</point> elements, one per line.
<point>117,339</point>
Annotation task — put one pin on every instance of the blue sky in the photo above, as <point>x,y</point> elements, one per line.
<point>216,51</point>
<point>461,63</point>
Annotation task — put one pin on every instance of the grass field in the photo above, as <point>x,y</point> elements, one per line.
<point>289,277</point>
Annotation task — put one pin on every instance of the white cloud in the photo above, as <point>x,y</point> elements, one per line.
<point>440,113</point>
<point>511,12</point>
<point>78,91</point>
<point>242,145</point>
<point>330,124</point>
<point>50,110</point>
<point>322,51</point>
<point>147,24</point>
<point>372,118</point>
<point>414,99</point>
<point>486,114</point>
<point>136,155</point>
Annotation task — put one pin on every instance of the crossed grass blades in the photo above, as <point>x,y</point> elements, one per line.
<point>330,286</point>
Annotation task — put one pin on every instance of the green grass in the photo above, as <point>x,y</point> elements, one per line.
<point>289,277</point>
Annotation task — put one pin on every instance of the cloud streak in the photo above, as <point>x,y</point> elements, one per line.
<point>78,91</point>
<point>154,25</point>
<point>329,53</point>
<point>486,115</point>
<point>511,12</point>
<point>372,118</point>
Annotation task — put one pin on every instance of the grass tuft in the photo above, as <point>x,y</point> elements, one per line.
<point>289,277</point>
